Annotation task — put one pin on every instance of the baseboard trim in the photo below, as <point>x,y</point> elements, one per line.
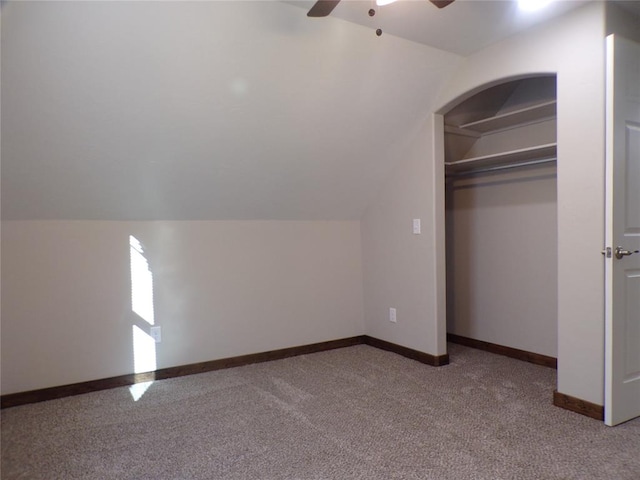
<point>577,405</point>
<point>523,355</point>
<point>242,360</point>
<point>561,400</point>
<point>426,358</point>
<point>52,393</point>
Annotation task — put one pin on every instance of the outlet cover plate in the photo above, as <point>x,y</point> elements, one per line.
<point>156,334</point>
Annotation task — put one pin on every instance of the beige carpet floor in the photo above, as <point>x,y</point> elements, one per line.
<point>352,413</point>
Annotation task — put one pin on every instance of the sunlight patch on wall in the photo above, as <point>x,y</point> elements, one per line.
<point>141,282</point>
<point>144,345</point>
<point>144,351</point>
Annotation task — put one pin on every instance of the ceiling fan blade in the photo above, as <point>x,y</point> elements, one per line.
<point>322,8</point>
<point>441,3</point>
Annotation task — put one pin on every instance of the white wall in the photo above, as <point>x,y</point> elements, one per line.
<point>221,289</point>
<point>116,114</point>
<point>573,47</point>
<point>77,312</point>
<point>501,265</point>
<point>398,266</point>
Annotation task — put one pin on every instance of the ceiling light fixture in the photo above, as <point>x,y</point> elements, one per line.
<point>533,5</point>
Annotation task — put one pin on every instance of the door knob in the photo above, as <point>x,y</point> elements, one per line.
<point>621,252</point>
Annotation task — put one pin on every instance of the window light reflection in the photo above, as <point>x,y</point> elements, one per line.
<point>144,346</point>
<point>141,282</point>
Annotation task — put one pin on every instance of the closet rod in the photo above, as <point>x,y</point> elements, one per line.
<point>502,167</point>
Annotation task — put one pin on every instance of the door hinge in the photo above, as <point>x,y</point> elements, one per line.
<point>607,252</point>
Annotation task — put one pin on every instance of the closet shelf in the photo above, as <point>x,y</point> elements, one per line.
<point>538,152</point>
<point>532,114</point>
<point>462,132</point>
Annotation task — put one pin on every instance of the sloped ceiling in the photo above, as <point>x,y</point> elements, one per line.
<point>463,27</point>
<point>221,109</point>
<point>202,110</point>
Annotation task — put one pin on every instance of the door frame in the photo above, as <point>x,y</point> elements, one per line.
<point>439,192</point>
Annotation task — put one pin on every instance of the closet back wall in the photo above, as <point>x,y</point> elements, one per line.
<point>502,261</point>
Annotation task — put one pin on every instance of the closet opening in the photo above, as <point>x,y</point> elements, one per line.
<point>501,220</point>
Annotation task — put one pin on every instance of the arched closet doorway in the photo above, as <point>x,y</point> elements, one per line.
<point>501,219</point>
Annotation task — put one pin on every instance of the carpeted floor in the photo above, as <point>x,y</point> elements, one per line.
<point>352,413</point>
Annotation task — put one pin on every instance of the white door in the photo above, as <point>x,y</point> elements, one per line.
<point>622,270</point>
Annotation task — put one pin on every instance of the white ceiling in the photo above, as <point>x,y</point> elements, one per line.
<point>463,27</point>
<point>202,111</point>
<point>222,109</point>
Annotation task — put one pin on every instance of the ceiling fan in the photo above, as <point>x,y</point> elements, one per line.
<point>322,8</point>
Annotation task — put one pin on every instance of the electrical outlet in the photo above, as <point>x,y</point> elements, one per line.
<point>156,334</point>
<point>416,226</point>
<point>392,315</point>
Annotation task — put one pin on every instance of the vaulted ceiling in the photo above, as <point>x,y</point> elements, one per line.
<point>463,27</point>
<point>202,110</point>
<point>215,110</point>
